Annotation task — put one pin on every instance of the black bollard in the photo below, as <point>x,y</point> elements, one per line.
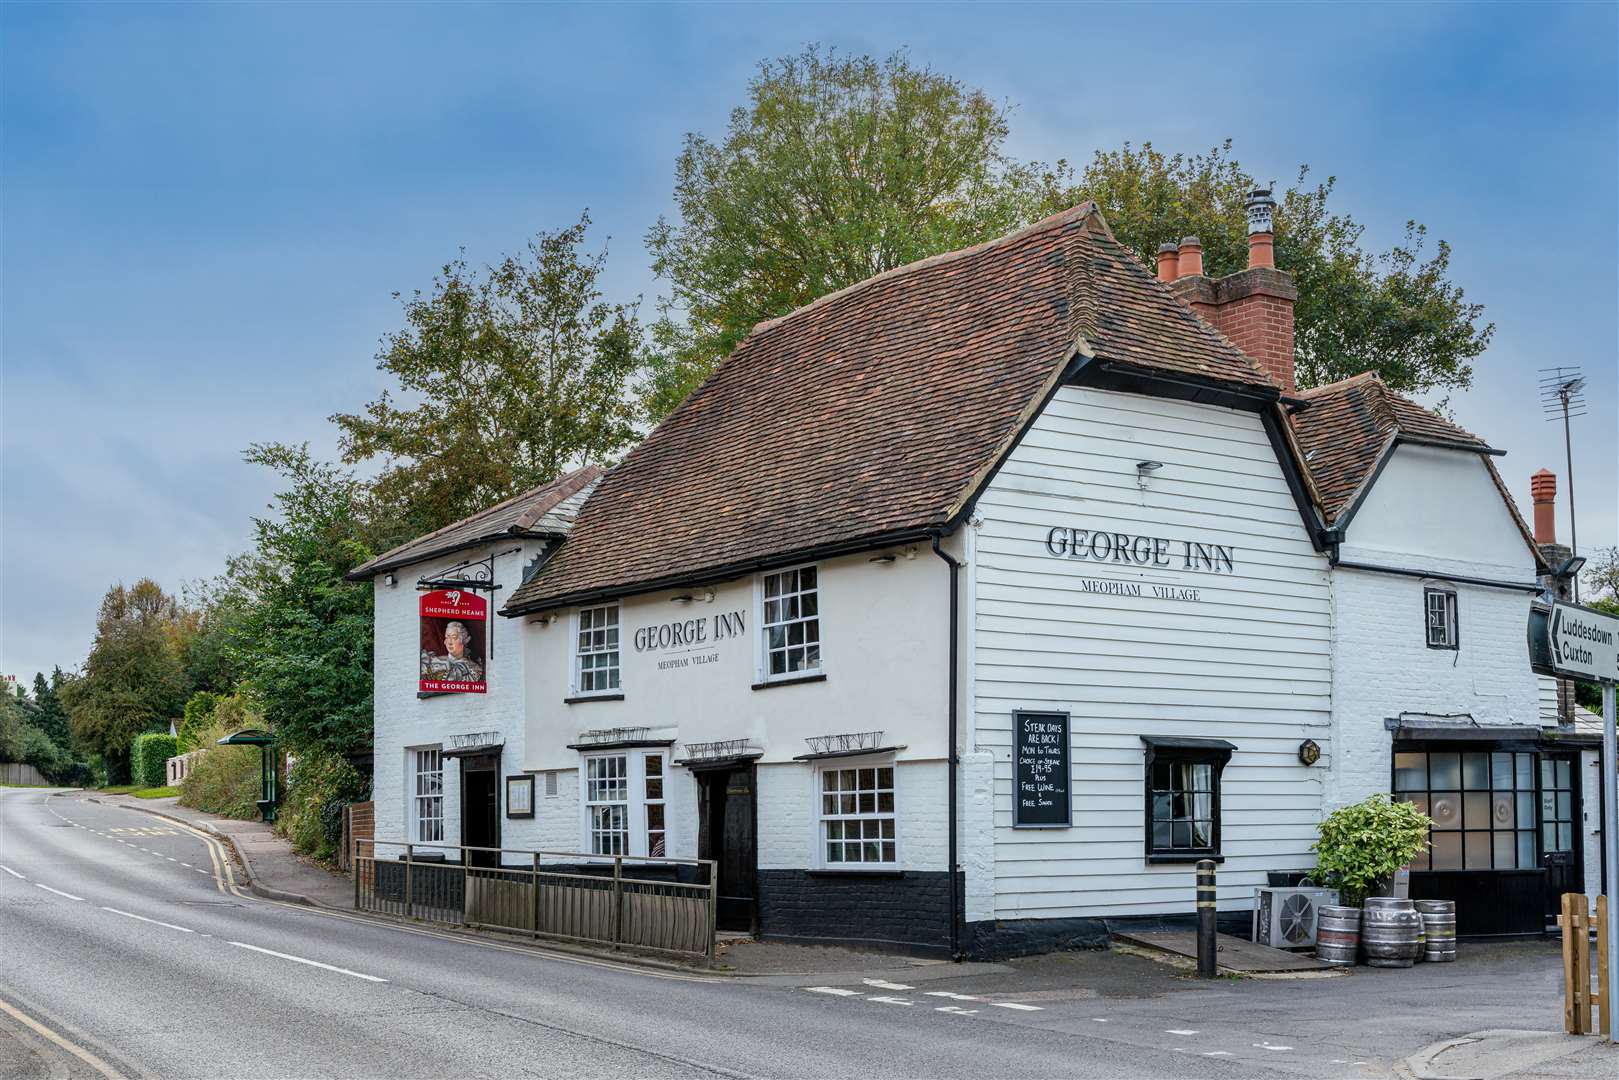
<point>1206,966</point>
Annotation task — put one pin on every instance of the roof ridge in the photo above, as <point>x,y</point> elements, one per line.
<point>441,530</point>
<point>1064,217</point>
<point>1339,383</point>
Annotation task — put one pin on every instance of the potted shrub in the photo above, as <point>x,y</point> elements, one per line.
<point>1363,844</point>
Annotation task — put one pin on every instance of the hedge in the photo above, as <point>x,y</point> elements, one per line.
<point>148,758</point>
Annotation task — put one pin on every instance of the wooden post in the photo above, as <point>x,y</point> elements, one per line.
<point>536,894</point>
<point>1579,1010</point>
<point>1566,921</point>
<point>410,896</point>
<point>618,900</point>
<point>1604,1000</point>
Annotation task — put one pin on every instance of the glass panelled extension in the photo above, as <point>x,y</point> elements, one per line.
<point>1482,803</point>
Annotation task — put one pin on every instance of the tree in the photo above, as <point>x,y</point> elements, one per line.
<point>516,373</point>
<point>133,679</point>
<point>49,714</point>
<point>836,169</point>
<point>1396,313</point>
<point>305,638</point>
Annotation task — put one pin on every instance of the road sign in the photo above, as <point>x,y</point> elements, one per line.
<point>1584,643</point>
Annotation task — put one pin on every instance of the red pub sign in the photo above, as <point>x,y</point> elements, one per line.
<point>454,642</point>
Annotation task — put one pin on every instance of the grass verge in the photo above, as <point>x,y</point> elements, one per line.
<point>156,793</point>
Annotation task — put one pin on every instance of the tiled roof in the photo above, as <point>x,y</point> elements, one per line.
<point>1349,424</point>
<point>548,510</point>
<point>875,411</point>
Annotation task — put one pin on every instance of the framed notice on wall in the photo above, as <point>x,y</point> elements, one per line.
<point>454,642</point>
<point>519,796</point>
<point>1040,777</point>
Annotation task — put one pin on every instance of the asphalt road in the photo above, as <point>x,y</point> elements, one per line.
<point>119,941</point>
<point>125,950</point>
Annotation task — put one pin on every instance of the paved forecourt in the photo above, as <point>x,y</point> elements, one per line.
<point>118,944</point>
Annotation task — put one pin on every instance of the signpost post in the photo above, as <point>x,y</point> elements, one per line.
<point>1585,644</point>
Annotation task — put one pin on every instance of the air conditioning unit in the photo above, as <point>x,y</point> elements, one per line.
<point>1285,918</point>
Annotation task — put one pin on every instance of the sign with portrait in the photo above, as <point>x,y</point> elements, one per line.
<point>455,642</point>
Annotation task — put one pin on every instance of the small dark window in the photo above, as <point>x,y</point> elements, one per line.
<point>1440,605</point>
<point>1183,798</point>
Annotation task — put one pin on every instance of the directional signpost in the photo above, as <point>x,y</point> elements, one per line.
<point>1585,644</point>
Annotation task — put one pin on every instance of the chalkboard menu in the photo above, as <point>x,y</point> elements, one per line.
<point>1040,795</point>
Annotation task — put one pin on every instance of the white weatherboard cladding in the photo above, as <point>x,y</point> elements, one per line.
<point>1431,510</point>
<point>885,651</point>
<point>1248,661</point>
<point>403,721</point>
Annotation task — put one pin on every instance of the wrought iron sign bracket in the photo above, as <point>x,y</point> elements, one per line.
<point>475,574</point>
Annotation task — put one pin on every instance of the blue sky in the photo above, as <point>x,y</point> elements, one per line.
<point>206,209</point>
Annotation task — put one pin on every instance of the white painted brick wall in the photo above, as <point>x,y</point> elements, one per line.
<point>402,720</point>
<point>1383,667</point>
<point>788,823</point>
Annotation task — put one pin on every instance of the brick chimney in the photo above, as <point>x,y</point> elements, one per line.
<point>1169,259</point>
<point>1543,495</point>
<point>1253,307</point>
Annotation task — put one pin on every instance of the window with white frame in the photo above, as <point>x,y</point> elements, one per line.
<point>791,623</point>
<point>607,803</point>
<point>596,654</point>
<point>1441,609</point>
<point>652,797</point>
<point>857,816</point>
<point>427,767</point>
<point>624,803</point>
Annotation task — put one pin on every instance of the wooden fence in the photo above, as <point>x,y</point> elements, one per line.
<point>1585,1009</point>
<point>19,772</point>
<point>359,827</point>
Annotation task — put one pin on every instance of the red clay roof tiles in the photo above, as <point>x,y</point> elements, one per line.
<point>874,411</point>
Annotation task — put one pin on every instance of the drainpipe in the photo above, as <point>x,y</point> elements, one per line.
<point>954,758</point>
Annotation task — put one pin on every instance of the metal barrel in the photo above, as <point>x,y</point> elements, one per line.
<point>1390,931</point>
<point>1337,935</point>
<point>1439,930</point>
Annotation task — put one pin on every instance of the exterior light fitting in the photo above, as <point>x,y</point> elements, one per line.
<point>1571,566</point>
<point>882,558</point>
<point>1145,469</point>
<point>1309,751</point>
<point>389,580</point>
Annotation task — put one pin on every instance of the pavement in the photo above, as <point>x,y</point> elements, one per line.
<point>128,948</point>
<point>270,867</point>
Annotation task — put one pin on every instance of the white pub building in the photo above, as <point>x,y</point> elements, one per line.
<point>962,610</point>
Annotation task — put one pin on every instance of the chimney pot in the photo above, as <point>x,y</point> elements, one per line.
<point>1543,493</point>
<point>1261,228</point>
<point>1191,260</point>
<point>1168,262</point>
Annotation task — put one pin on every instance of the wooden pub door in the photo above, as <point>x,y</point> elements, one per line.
<point>726,819</point>
<point>480,808</point>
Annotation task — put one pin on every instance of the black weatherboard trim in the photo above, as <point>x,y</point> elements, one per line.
<point>1133,380</point>
<point>582,698</point>
<point>1279,444</point>
<point>1347,514</point>
<point>1439,575</point>
<point>621,744</point>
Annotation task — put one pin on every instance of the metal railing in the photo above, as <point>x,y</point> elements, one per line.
<point>622,901</point>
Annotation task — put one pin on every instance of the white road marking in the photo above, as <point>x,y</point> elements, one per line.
<point>77,1051</point>
<point>311,963</point>
<point>1098,1020</point>
<point>837,990</point>
<point>1179,1031</point>
<point>59,892</point>
<point>1216,1053</point>
<point>889,1000</point>
<point>188,866</point>
<point>1268,1046</point>
<point>143,918</point>
<point>956,1010</point>
<point>1017,1005</point>
<point>171,858</point>
<point>952,995</point>
<point>881,985</point>
<point>13,873</point>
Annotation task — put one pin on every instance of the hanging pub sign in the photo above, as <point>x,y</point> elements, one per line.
<point>454,642</point>
<point>1040,777</point>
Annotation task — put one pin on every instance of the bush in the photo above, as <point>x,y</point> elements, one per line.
<point>147,756</point>
<point>311,816</point>
<point>224,779</point>
<point>1362,845</point>
<point>199,717</point>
